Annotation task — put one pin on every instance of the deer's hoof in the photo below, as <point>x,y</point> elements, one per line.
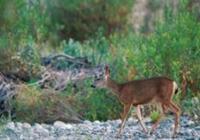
<point>118,135</point>
<point>145,131</point>
<point>150,133</point>
<point>174,135</point>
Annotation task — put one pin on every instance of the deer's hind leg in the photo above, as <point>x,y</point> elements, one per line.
<point>163,112</point>
<point>176,110</point>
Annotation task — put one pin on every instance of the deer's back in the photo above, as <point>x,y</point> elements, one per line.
<point>143,91</point>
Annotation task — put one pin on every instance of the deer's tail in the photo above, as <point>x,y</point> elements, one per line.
<point>175,88</point>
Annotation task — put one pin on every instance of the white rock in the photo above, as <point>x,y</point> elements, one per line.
<point>131,119</point>
<point>45,125</point>
<point>19,125</point>
<point>196,116</point>
<point>4,138</point>
<point>50,138</point>
<point>40,130</point>
<point>26,125</point>
<point>197,128</point>
<point>118,121</point>
<point>190,122</point>
<point>69,126</point>
<point>87,122</point>
<point>62,138</point>
<point>35,136</point>
<point>97,122</point>
<point>62,125</point>
<point>37,126</point>
<point>147,119</point>
<point>108,129</point>
<point>10,125</point>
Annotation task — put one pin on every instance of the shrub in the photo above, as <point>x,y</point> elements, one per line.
<point>36,105</point>
<point>154,116</point>
<point>93,104</point>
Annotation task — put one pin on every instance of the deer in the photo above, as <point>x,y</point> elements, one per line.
<point>139,92</point>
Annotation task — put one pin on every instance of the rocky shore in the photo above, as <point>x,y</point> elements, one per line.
<point>98,130</point>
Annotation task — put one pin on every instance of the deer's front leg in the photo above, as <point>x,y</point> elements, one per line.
<point>124,116</point>
<point>138,112</point>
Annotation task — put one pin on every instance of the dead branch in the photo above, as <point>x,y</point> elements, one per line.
<point>80,61</point>
<point>59,80</point>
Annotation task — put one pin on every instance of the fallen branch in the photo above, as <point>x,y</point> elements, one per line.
<point>83,61</point>
<point>59,80</point>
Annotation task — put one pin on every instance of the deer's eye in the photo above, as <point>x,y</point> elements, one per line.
<point>98,79</point>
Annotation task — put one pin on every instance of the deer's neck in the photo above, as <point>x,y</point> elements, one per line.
<point>114,86</point>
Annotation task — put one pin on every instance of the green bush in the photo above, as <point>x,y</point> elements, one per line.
<point>154,116</point>
<point>23,27</point>
<point>101,106</point>
<point>43,106</point>
<point>93,104</point>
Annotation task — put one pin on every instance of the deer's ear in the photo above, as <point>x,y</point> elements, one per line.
<point>107,70</point>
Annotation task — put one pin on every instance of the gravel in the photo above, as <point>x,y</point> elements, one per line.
<point>98,130</point>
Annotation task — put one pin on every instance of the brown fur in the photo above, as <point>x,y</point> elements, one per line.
<point>143,91</point>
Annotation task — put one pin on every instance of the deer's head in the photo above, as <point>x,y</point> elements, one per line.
<point>100,81</point>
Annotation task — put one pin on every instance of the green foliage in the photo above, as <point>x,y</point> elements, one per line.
<point>27,103</point>
<point>172,48</point>
<point>21,27</point>
<point>101,106</point>
<point>81,19</point>
<point>35,105</point>
<point>3,121</point>
<point>20,20</point>
<point>191,107</point>
<point>154,116</point>
<point>23,64</point>
<point>93,104</point>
